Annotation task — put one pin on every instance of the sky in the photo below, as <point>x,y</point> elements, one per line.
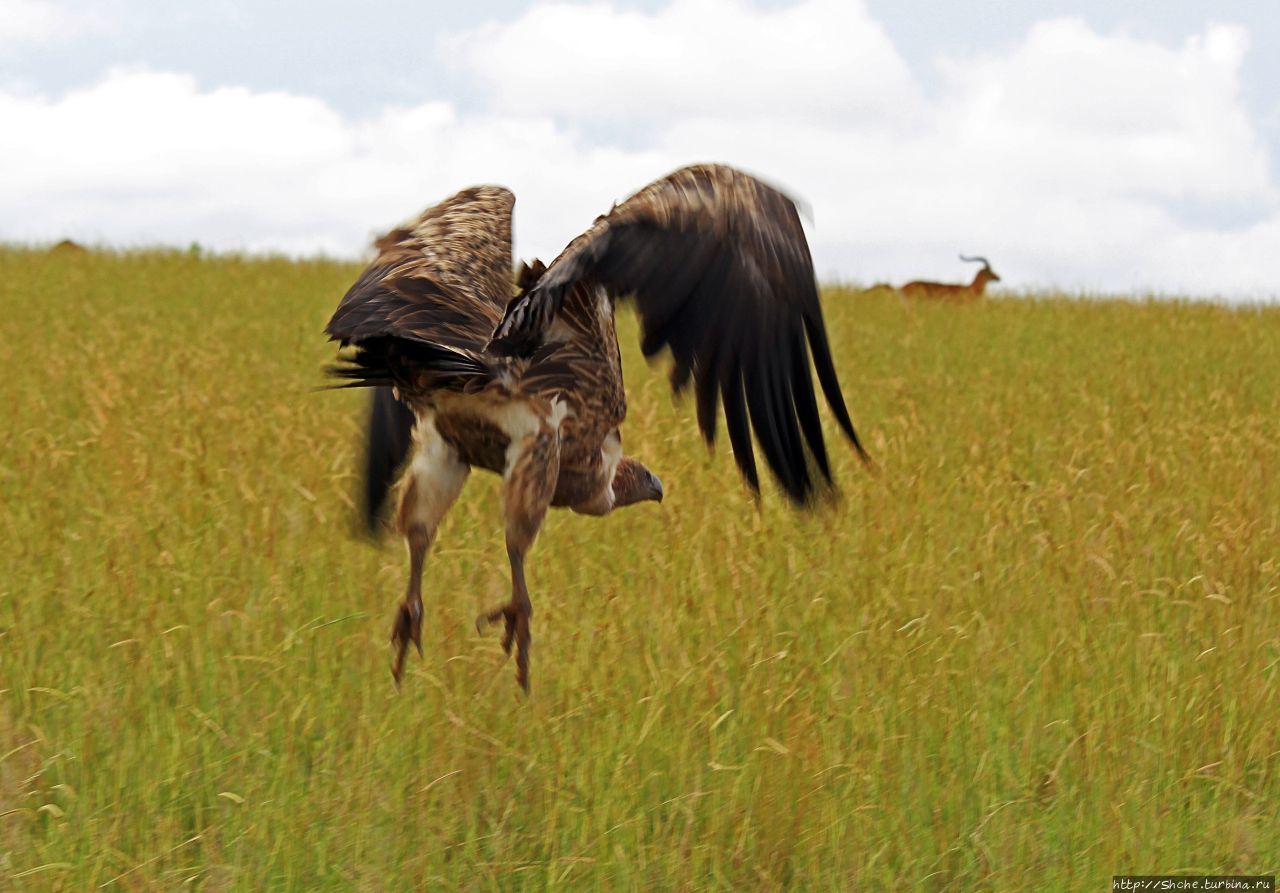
<point>1119,147</point>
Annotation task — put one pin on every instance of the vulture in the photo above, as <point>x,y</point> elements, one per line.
<point>522,376</point>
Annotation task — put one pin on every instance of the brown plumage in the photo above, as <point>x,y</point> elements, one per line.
<point>720,273</point>
<point>956,294</point>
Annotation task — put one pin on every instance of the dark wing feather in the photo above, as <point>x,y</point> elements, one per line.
<point>721,274</point>
<point>420,315</point>
<point>442,278</point>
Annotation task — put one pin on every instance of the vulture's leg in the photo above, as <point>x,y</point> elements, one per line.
<point>533,465</point>
<point>433,481</point>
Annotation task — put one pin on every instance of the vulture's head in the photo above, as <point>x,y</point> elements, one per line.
<point>633,483</point>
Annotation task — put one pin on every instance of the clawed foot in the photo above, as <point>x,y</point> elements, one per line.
<point>408,628</point>
<point>516,633</point>
<point>506,613</point>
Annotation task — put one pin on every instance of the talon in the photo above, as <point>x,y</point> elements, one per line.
<point>489,618</point>
<point>397,668</point>
<point>520,628</point>
<point>507,614</point>
<point>407,628</point>
<point>514,637</point>
<point>509,634</point>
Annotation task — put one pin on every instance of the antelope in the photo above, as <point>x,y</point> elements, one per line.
<point>956,294</point>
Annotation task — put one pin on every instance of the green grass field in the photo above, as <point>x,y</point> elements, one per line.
<point>1040,647</point>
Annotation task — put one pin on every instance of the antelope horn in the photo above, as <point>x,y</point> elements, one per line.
<point>982,260</point>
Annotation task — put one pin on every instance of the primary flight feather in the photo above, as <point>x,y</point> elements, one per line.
<point>530,386</point>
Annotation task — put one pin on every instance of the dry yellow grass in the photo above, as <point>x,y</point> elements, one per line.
<point>1040,647</point>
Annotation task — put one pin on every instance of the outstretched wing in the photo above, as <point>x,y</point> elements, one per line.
<point>721,274</point>
<point>442,278</point>
<point>428,301</point>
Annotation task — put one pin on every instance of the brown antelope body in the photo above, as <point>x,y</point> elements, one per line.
<point>955,294</point>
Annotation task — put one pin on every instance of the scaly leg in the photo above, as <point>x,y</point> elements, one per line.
<point>433,481</point>
<point>533,465</point>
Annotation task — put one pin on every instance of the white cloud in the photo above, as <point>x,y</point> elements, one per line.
<point>146,157</point>
<point>815,61</point>
<point>1112,114</point>
<point>1072,159</point>
<point>39,22</point>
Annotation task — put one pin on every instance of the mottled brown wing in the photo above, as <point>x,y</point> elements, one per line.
<point>443,278</point>
<point>721,274</point>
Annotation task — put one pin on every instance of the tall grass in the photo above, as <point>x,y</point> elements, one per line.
<point>1038,648</point>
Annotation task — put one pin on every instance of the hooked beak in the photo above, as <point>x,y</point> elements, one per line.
<point>655,487</point>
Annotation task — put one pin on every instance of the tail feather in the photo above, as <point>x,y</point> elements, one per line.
<point>389,363</point>
<point>380,362</point>
<point>390,437</point>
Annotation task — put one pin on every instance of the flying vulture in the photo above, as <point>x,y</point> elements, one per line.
<point>530,386</point>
